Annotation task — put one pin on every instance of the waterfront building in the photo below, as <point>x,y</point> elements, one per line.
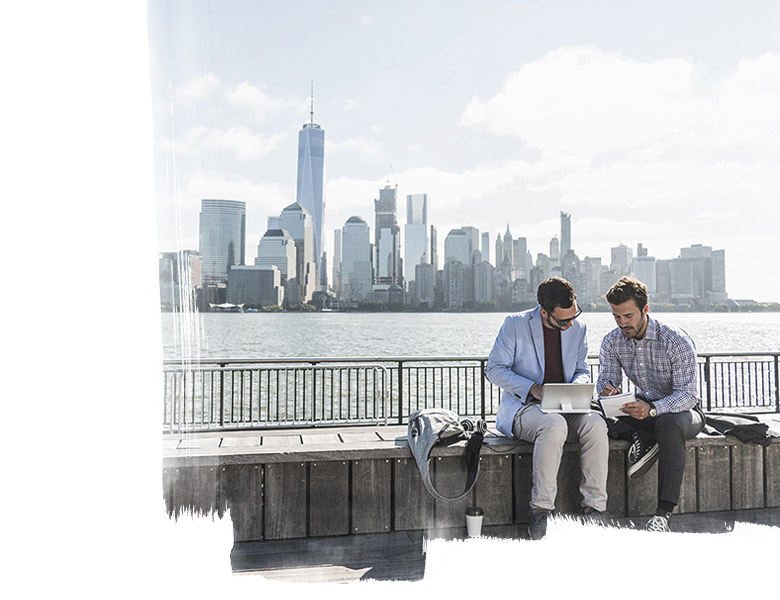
<point>180,275</point>
<point>555,253</point>
<point>483,282</point>
<point>255,286</point>
<point>297,222</point>
<point>520,253</point>
<point>424,279</point>
<point>472,233</point>
<point>222,238</point>
<point>698,276</point>
<point>571,270</point>
<point>508,248</point>
<point>499,256</point>
<point>336,278</point>
<point>591,271</point>
<point>277,249</point>
<point>621,257</point>
<point>663,280</point>
<point>486,246</point>
<point>457,247</point>
<point>387,242</point>
<point>565,234</point>
<point>434,255</point>
<point>311,164</point>
<point>415,234</point>
<point>456,276</point>
<point>355,273</point>
<point>643,268</point>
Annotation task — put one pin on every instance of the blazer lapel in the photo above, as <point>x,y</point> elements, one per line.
<point>536,332</point>
<point>566,350</point>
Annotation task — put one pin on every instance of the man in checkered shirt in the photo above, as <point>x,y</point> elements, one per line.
<point>660,361</point>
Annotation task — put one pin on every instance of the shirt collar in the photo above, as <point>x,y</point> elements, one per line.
<point>651,333</point>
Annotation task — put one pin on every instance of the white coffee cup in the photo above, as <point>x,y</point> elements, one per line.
<point>474,516</point>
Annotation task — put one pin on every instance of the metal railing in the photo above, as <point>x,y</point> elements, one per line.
<point>261,393</point>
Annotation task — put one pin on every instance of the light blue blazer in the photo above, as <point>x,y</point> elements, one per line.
<point>516,361</point>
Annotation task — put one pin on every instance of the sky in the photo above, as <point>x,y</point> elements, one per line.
<point>648,122</point>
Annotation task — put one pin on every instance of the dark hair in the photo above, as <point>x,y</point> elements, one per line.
<point>555,292</point>
<point>627,289</point>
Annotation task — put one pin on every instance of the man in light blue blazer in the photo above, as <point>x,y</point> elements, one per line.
<point>548,345</point>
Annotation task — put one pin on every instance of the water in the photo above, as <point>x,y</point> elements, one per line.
<point>271,335</point>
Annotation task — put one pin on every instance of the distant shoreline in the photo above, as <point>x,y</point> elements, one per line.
<point>760,307</point>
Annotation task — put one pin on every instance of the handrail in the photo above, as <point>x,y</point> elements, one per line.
<point>277,392</point>
<point>330,359</point>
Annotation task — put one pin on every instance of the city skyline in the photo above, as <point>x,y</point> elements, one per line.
<point>657,134</point>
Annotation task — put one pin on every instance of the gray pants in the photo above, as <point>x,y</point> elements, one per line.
<point>548,432</point>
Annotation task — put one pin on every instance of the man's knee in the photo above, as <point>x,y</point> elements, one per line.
<point>553,429</point>
<point>672,427</point>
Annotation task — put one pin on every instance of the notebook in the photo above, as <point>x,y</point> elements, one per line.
<point>567,398</point>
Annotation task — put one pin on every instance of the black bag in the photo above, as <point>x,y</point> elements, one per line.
<point>431,426</point>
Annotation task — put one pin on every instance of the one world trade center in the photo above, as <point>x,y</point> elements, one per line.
<point>311,157</point>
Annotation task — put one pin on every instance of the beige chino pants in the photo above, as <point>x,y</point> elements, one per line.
<point>548,432</point>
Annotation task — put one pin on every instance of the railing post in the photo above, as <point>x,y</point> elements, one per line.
<point>777,383</point>
<point>482,391</point>
<point>707,380</point>
<point>222,395</point>
<point>400,393</point>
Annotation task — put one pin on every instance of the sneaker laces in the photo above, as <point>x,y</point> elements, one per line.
<point>635,451</point>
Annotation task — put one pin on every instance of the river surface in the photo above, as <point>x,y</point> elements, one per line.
<point>340,335</point>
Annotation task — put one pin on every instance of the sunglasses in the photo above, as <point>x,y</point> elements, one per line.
<point>563,322</point>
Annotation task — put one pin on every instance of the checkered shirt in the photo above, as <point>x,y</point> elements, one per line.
<point>662,366</point>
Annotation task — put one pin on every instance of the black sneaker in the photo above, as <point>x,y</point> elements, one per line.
<point>537,526</point>
<point>658,523</point>
<point>596,517</point>
<point>641,456</point>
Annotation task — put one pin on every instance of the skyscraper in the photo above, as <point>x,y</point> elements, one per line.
<point>434,249</point>
<point>415,234</point>
<point>457,247</point>
<point>621,260</point>
<point>297,221</point>
<point>565,234</point>
<point>387,243</point>
<point>277,248</point>
<point>355,276</point>
<point>311,163</point>
<point>222,238</point>
<point>485,246</point>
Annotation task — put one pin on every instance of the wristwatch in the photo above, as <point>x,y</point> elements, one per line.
<point>653,412</point>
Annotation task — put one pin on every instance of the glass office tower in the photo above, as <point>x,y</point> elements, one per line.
<point>311,162</point>
<point>222,238</point>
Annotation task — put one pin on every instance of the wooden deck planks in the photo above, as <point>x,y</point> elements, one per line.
<point>297,483</point>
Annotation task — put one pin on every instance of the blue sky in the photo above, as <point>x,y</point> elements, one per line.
<point>650,123</point>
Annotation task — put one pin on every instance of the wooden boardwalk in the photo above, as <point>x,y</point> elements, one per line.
<point>345,503</point>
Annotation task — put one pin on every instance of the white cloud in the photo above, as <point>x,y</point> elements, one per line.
<point>747,110</point>
<point>586,101</point>
<point>239,141</point>
<point>197,89</point>
<point>360,146</point>
<point>262,105</point>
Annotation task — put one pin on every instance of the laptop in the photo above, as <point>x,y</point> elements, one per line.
<point>567,398</point>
